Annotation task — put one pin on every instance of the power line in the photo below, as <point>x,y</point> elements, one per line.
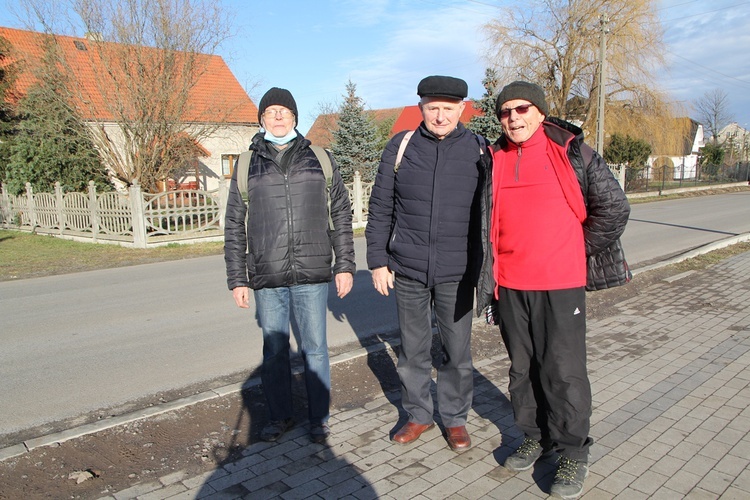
<point>713,71</point>
<point>703,13</point>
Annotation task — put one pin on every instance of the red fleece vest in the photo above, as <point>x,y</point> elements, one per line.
<point>537,214</point>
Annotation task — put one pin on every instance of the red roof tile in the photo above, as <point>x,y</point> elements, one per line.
<point>217,90</point>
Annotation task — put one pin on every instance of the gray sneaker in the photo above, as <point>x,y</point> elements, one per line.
<point>525,456</point>
<point>568,482</point>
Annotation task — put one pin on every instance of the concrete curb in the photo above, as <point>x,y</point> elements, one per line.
<point>710,247</point>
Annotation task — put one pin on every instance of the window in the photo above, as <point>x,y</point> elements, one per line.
<point>227,164</point>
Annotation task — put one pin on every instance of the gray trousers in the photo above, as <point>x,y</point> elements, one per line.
<point>545,334</point>
<point>452,303</point>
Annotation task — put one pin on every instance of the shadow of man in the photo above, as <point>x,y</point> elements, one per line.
<point>374,320</point>
<point>293,465</point>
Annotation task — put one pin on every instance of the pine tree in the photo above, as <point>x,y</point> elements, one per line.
<point>630,152</point>
<point>626,150</point>
<point>487,124</point>
<point>8,119</point>
<point>52,143</point>
<point>355,142</point>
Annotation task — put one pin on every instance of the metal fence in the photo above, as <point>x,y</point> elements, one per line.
<point>137,218</point>
<point>640,180</point>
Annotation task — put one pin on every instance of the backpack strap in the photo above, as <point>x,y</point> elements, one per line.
<point>242,167</point>
<point>401,149</point>
<point>327,166</point>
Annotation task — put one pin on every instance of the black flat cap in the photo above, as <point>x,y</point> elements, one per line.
<point>443,86</point>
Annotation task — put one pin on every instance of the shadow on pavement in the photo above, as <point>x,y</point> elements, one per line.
<point>294,463</point>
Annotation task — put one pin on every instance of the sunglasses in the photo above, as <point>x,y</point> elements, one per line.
<point>521,110</point>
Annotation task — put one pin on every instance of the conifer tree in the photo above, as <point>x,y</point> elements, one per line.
<point>52,144</point>
<point>7,115</point>
<point>355,142</point>
<point>487,124</point>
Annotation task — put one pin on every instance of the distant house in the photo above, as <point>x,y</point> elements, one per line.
<point>736,141</point>
<point>682,159</point>
<point>217,102</point>
<point>732,133</point>
<point>404,118</point>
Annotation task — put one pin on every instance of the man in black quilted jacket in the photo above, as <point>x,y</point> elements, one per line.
<point>423,240</point>
<point>283,252</point>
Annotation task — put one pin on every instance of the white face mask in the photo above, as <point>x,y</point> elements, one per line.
<point>280,141</point>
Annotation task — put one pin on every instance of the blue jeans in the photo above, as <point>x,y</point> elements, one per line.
<point>308,305</point>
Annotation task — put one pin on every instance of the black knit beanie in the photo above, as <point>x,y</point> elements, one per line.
<point>522,90</point>
<point>277,97</point>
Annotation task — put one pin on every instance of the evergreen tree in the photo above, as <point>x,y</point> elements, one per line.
<point>630,152</point>
<point>487,124</point>
<point>625,150</point>
<point>355,142</point>
<point>52,143</point>
<point>383,130</point>
<point>8,119</point>
<point>711,158</point>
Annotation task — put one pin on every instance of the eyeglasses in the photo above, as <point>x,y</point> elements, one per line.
<point>521,110</point>
<point>271,113</point>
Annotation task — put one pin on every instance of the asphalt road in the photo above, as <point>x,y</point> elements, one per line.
<point>75,345</point>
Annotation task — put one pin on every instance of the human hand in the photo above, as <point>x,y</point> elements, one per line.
<point>344,283</point>
<point>382,279</point>
<point>241,296</point>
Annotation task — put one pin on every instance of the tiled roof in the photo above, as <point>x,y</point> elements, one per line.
<point>216,91</point>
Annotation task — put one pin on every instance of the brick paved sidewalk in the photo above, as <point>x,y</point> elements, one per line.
<point>669,373</point>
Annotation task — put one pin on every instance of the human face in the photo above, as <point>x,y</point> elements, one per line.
<point>278,120</point>
<point>441,115</point>
<point>519,127</point>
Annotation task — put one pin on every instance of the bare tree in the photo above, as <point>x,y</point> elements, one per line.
<point>152,54</point>
<point>556,44</point>
<point>714,112</point>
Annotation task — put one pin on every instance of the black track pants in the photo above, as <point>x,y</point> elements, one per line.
<point>545,335</point>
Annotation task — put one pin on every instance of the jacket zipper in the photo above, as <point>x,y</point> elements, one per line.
<point>290,225</point>
<point>518,163</point>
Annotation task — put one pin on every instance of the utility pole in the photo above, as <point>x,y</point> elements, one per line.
<point>603,20</point>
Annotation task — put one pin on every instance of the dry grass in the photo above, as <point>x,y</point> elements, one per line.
<point>25,255</point>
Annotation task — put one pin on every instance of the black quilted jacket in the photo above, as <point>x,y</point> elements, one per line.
<point>424,220</point>
<point>288,241</point>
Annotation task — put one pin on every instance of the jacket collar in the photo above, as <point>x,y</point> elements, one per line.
<point>459,131</point>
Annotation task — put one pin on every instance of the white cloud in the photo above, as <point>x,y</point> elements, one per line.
<point>423,40</point>
<point>708,48</point>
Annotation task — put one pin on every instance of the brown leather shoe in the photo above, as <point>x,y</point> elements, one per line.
<point>410,432</point>
<point>458,438</point>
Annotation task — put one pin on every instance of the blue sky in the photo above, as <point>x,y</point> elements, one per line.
<point>386,46</point>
